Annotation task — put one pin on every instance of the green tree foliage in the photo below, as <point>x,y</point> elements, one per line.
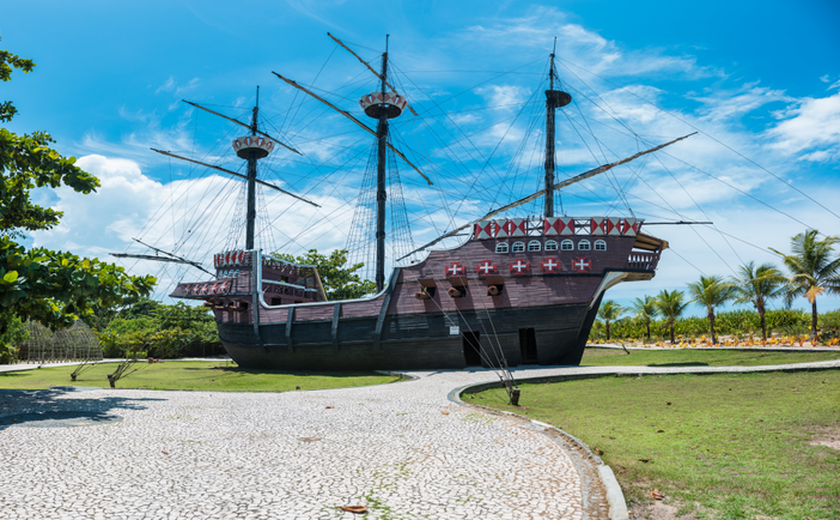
<point>341,282</point>
<point>607,312</point>
<point>814,269</point>
<point>711,292</point>
<point>151,329</point>
<point>646,311</point>
<point>51,287</point>
<point>758,285</point>
<point>671,306</point>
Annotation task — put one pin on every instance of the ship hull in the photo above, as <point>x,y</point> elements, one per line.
<point>489,302</point>
<point>551,335</point>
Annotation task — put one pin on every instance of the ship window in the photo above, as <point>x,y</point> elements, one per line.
<point>534,245</point>
<point>567,245</point>
<point>551,245</point>
<point>600,245</point>
<point>519,247</point>
<point>502,247</point>
<point>584,245</point>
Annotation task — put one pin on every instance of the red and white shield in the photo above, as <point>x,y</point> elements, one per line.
<point>598,226</point>
<point>581,264</point>
<point>486,267</point>
<point>550,265</point>
<point>520,267</point>
<point>484,229</point>
<point>455,269</point>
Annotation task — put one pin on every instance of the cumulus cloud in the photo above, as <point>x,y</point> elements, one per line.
<point>809,124</point>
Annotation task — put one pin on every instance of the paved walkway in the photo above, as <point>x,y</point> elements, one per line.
<point>404,450</point>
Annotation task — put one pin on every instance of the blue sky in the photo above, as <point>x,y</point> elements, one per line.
<point>760,81</point>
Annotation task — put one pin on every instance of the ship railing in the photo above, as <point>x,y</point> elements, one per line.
<point>556,226</point>
<point>643,261</point>
<point>278,287</point>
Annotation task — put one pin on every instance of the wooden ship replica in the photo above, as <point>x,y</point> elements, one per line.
<point>518,291</point>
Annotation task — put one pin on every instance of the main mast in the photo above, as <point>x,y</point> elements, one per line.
<point>553,99</point>
<point>382,106</point>
<point>381,193</point>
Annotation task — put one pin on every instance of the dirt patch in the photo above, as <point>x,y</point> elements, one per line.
<point>657,510</point>
<point>829,437</point>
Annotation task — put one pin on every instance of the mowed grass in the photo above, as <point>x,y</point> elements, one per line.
<point>215,376</point>
<point>699,357</point>
<point>718,446</point>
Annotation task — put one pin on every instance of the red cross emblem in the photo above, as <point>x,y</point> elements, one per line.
<point>520,267</point>
<point>454,269</point>
<point>550,265</point>
<point>581,264</point>
<point>486,267</point>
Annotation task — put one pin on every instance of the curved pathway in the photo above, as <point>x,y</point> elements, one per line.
<point>403,450</point>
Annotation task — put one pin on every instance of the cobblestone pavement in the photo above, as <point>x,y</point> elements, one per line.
<point>403,450</point>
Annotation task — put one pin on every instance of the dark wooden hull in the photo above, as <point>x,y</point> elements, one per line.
<point>416,342</point>
<point>475,305</point>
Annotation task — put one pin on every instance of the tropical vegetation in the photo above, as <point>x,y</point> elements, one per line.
<point>54,288</point>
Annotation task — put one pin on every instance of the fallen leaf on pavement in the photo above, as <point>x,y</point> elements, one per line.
<point>445,413</point>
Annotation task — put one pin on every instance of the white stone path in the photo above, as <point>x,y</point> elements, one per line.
<point>404,450</point>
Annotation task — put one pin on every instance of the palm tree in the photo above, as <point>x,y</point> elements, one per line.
<point>813,270</point>
<point>758,285</point>
<point>608,312</point>
<point>671,306</point>
<point>646,310</point>
<point>711,292</point>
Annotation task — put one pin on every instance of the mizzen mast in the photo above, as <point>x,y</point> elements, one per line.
<point>553,99</point>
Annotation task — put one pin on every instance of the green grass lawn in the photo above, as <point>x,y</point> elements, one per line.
<point>699,357</point>
<point>191,375</point>
<point>718,446</point>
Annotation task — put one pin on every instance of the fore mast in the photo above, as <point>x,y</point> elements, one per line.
<point>252,148</point>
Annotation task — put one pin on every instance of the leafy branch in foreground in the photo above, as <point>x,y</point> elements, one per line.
<point>50,287</point>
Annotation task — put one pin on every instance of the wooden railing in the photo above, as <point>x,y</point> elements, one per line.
<point>644,261</point>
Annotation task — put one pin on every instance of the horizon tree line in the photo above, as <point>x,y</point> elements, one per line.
<point>813,267</point>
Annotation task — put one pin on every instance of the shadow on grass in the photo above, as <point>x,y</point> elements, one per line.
<point>256,372</point>
<point>689,364</point>
<point>42,408</point>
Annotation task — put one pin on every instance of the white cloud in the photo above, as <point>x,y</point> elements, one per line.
<point>728,105</point>
<point>810,123</point>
